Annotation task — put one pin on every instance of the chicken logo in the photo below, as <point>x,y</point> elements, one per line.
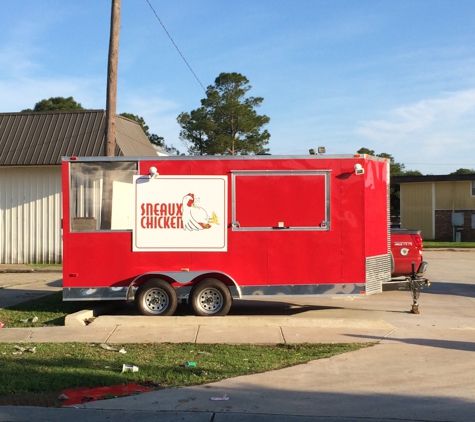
<point>195,217</point>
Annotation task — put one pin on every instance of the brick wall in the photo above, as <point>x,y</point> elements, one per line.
<point>444,230</point>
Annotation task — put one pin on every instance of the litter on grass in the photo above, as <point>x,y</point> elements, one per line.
<point>188,364</point>
<point>34,319</point>
<point>20,350</point>
<point>113,349</point>
<point>109,348</point>
<point>127,367</point>
<point>222,398</point>
<point>2,324</point>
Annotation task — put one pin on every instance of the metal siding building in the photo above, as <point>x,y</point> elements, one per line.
<point>31,147</point>
<point>416,208</point>
<point>30,219</point>
<point>429,202</point>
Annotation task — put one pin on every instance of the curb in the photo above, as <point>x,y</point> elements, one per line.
<point>29,270</point>
<point>80,318</point>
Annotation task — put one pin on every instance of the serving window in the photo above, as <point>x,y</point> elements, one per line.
<point>102,195</point>
<point>273,200</point>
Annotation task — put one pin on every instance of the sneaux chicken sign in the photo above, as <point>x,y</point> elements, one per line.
<point>180,213</point>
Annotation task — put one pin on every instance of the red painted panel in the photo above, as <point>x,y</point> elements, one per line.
<point>350,222</point>
<point>376,215</point>
<point>304,257</point>
<point>102,259</point>
<point>245,260</point>
<point>294,200</point>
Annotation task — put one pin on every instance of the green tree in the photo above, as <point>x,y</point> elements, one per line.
<point>156,140</point>
<point>171,150</point>
<point>412,173</point>
<point>463,171</point>
<point>56,104</point>
<point>395,169</point>
<point>194,129</point>
<point>227,122</point>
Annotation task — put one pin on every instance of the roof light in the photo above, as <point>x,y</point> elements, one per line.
<point>153,172</point>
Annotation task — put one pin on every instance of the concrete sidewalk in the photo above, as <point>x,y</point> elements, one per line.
<point>421,368</point>
<point>225,330</point>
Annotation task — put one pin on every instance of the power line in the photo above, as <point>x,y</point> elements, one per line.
<point>441,164</point>
<point>171,39</point>
<point>218,106</point>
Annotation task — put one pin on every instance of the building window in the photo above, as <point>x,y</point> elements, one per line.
<point>473,221</point>
<point>473,187</point>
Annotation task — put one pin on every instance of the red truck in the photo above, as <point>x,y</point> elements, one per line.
<point>407,264</point>
<point>159,230</point>
<point>406,250</point>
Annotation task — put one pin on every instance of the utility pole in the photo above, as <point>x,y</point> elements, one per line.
<point>111,105</point>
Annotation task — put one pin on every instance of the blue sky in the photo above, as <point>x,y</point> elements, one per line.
<point>393,76</point>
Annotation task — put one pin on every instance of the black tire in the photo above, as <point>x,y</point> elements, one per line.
<point>211,297</point>
<point>156,297</point>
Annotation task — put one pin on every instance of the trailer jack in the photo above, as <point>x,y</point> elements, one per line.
<point>415,283</point>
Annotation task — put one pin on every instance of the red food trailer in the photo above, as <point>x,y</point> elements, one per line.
<point>158,230</point>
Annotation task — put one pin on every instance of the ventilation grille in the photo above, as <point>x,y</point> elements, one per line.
<point>378,270</point>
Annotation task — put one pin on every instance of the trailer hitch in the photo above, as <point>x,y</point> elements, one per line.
<point>415,283</point>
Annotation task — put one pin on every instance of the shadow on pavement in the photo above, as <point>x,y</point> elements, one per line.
<point>451,289</point>
<point>240,307</point>
<point>248,402</point>
<point>466,346</point>
<point>56,283</point>
<point>284,402</point>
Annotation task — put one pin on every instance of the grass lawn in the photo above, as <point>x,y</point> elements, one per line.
<point>38,375</point>
<point>435,245</point>
<point>36,266</point>
<point>54,367</point>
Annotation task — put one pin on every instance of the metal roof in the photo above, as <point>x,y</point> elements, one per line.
<point>42,138</point>
<point>432,178</point>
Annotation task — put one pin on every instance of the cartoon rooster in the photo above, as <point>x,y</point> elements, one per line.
<point>195,217</point>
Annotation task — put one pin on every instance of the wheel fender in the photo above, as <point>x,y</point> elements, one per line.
<point>184,277</point>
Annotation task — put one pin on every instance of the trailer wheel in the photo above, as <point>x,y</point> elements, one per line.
<point>211,297</point>
<point>156,297</point>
